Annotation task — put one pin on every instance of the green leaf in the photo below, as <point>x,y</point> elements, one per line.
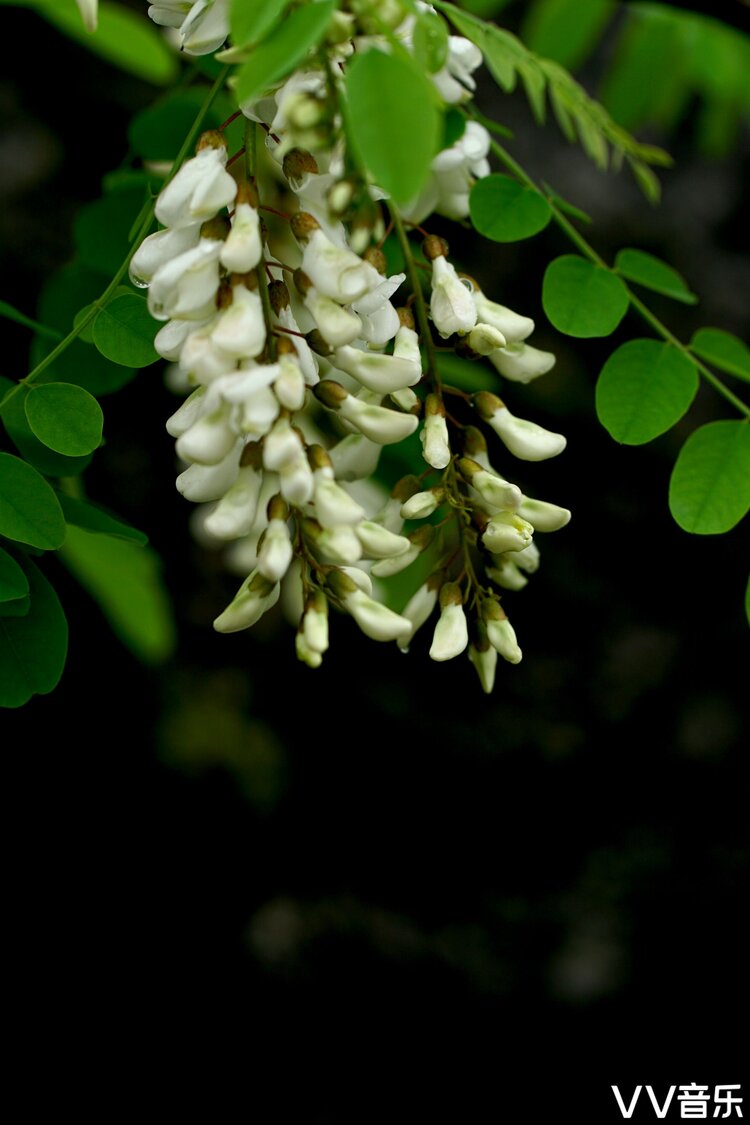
<point>122,37</point>
<point>651,272</point>
<point>506,211</point>
<point>33,648</point>
<point>723,350</point>
<point>469,375</point>
<point>14,585</point>
<point>65,418</point>
<point>648,68</point>
<point>644,388</point>
<point>157,132</point>
<point>12,313</point>
<point>249,20</point>
<point>18,430</point>
<point>582,299</point>
<point>566,30</point>
<point>124,332</point>
<point>63,296</point>
<point>280,53</point>
<point>125,580</point>
<point>393,121</point>
<point>102,229</point>
<point>29,510</point>
<point>92,517</point>
<point>454,127</point>
<point>430,41</point>
<point>709,491</point>
<point>564,205</point>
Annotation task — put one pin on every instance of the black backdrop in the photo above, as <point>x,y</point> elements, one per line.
<point>290,881</point>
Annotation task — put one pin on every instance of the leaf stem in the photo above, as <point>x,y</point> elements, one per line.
<point>100,302</point>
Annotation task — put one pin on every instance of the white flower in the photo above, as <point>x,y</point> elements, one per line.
<point>375,620</point>
<point>452,305</point>
<point>500,632</point>
<point>235,513</point>
<point>337,325</point>
<point>454,82</point>
<point>289,388</point>
<point>337,544</point>
<point>528,559</point>
<point>297,480</point>
<point>380,296</point>
<point>380,543</point>
<point>355,457</point>
<point>305,653</point>
<point>170,13</point>
<point>434,434</point>
<point>240,329</point>
<point>209,439</point>
<point>200,356</point>
<point>543,515</point>
<point>206,27</point>
<point>419,608</point>
<point>185,287</point>
<point>334,506</point>
<point>422,504</point>
<point>337,272</point>
<point>243,247</point>
<point>521,363</point>
<point>380,373</point>
<point>494,489</point>
<point>187,413</point>
<point>159,248</point>
<point>275,552</point>
<point>199,190</point>
<point>201,483</point>
<point>484,658</point>
<point>513,326</point>
<point>282,446</point>
<point>315,622</point>
<point>380,326</point>
<point>484,339</point>
<point>507,532</point>
<point>451,634</point>
<point>525,440</point>
<point>386,427</point>
<point>89,13</point>
<point>507,574</point>
<point>170,339</point>
<point>256,595</point>
<point>417,541</point>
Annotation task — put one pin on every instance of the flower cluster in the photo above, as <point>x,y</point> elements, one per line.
<point>306,356</point>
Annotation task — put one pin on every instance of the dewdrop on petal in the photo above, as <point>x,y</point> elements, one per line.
<point>525,440</point>
<point>434,434</point>
<point>451,634</point>
<point>375,620</point>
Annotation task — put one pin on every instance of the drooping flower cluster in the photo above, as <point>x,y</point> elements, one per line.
<point>306,357</point>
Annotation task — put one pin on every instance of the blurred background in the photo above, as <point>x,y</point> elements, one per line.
<point>231,860</point>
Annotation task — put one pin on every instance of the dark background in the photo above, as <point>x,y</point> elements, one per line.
<point>215,871</point>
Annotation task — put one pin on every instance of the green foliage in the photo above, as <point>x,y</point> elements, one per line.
<point>644,269</point>
<point>709,491</point>
<point>430,41</point>
<point>14,585</point>
<point>158,132</point>
<point>122,37</point>
<point>283,49</point>
<point>724,350</point>
<point>32,647</point>
<point>466,374</point>
<point>250,20</point>
<point>393,121</point>
<point>566,30</point>
<point>65,418</point>
<point>125,580</point>
<point>578,115</point>
<point>102,229</point>
<point>29,510</point>
<point>506,211</point>
<point>583,299</point>
<point>11,313</point>
<point>124,331</point>
<point>644,388</point>
<point>92,517</point>
<point>13,414</point>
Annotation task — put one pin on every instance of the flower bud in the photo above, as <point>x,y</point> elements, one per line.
<point>256,595</point>
<point>542,515</point>
<point>521,363</point>
<point>525,440</point>
<point>500,632</point>
<point>451,634</point>
<point>375,620</point>
<point>423,504</point>
<point>434,434</point>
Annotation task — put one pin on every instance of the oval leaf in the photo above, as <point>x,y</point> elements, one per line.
<point>65,418</point>
<point>31,449</point>
<point>723,350</point>
<point>506,211</point>
<point>90,516</point>
<point>124,332</point>
<point>29,510</point>
<point>654,274</point>
<point>13,582</point>
<point>393,121</point>
<point>122,37</point>
<point>709,491</point>
<point>249,20</point>
<point>125,579</point>
<point>430,41</point>
<point>643,389</point>
<point>277,55</point>
<point>33,648</point>
<point>582,299</point>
